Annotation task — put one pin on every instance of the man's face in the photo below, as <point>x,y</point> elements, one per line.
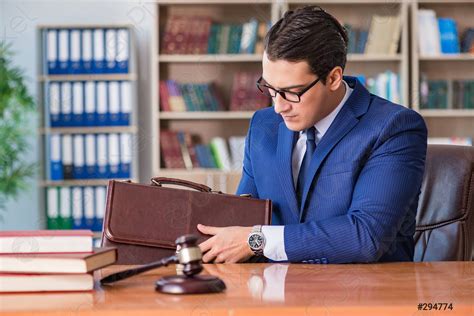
<point>294,77</point>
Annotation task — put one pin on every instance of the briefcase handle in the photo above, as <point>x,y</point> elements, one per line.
<point>159,181</point>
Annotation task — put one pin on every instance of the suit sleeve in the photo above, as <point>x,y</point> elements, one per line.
<point>386,190</point>
<point>247,182</point>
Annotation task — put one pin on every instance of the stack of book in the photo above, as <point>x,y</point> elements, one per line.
<point>192,97</point>
<point>441,35</point>
<point>446,94</point>
<point>385,85</point>
<point>199,35</point>
<point>460,141</point>
<point>245,95</point>
<point>50,261</point>
<point>182,97</point>
<point>181,150</point>
<point>382,37</point>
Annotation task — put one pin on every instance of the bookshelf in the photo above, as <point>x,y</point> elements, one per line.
<point>220,67</point>
<point>451,121</point>
<point>406,62</point>
<point>359,15</point>
<point>93,183</point>
<point>196,68</point>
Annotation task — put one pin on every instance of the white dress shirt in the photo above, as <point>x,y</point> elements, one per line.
<point>274,234</point>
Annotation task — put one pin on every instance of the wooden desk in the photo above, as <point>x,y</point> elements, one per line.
<point>273,289</point>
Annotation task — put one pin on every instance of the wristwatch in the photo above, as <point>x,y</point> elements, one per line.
<point>256,240</point>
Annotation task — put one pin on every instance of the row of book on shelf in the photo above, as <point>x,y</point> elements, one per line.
<point>440,35</point>
<point>181,97</point>
<point>90,156</point>
<point>462,141</point>
<point>446,94</point>
<point>86,50</point>
<point>194,34</point>
<point>50,261</point>
<point>385,85</point>
<point>182,150</point>
<point>75,207</point>
<point>382,36</point>
<point>89,103</point>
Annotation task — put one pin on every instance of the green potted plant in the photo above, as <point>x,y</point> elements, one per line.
<point>16,105</point>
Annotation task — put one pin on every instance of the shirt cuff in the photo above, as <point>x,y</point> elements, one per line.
<point>274,242</point>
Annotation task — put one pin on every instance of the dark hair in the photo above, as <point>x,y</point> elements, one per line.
<point>308,34</point>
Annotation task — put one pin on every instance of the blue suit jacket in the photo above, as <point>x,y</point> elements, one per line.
<point>359,202</point>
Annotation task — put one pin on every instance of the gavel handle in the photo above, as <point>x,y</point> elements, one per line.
<point>131,272</point>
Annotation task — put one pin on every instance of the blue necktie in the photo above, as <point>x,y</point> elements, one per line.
<point>303,173</point>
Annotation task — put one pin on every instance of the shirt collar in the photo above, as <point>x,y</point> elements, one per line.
<point>323,125</point>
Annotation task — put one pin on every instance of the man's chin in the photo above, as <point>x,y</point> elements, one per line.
<point>292,126</point>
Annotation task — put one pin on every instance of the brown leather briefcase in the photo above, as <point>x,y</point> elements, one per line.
<point>143,221</point>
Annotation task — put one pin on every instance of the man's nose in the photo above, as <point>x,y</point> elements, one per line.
<point>281,105</point>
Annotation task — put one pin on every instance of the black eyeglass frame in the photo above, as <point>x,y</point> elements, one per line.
<point>283,92</point>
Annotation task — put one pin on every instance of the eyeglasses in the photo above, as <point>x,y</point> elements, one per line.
<point>294,97</point>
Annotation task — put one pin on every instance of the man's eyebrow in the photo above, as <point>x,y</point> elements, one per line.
<point>286,88</point>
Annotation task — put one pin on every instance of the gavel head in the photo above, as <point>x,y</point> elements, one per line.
<point>189,254</point>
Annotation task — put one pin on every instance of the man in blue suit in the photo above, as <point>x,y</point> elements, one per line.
<point>343,167</point>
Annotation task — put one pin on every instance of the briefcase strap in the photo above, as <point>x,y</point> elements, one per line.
<point>159,181</point>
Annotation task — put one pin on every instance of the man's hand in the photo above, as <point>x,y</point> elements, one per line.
<point>228,244</point>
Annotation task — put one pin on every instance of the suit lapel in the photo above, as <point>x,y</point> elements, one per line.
<point>345,121</point>
<point>286,141</point>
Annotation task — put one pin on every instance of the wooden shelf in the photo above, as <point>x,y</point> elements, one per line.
<point>449,57</point>
<point>222,115</point>
<point>88,130</point>
<point>210,58</point>
<point>447,112</point>
<point>172,2</point>
<point>79,183</point>
<point>371,58</point>
<point>195,172</point>
<point>379,2</point>
<point>88,77</point>
<point>219,58</point>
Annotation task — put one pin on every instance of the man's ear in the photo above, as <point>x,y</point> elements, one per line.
<point>334,79</point>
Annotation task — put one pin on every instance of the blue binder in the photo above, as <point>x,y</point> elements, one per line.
<point>111,50</point>
<point>91,157</point>
<point>66,104</point>
<point>125,103</point>
<point>102,118</point>
<point>56,165</point>
<point>86,51</point>
<point>98,65</point>
<point>51,38</point>
<point>102,156</point>
<point>63,52</point>
<point>75,51</point>
<point>114,103</point>
<point>78,221</point>
<point>78,158</point>
<point>77,103</point>
<point>123,51</point>
<point>89,205</point>
<point>125,155</point>
<point>54,104</point>
<point>90,104</point>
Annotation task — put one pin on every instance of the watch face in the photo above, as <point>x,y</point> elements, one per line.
<point>255,241</point>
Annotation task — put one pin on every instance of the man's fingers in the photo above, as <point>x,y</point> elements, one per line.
<point>208,257</point>
<point>206,245</point>
<point>208,230</point>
